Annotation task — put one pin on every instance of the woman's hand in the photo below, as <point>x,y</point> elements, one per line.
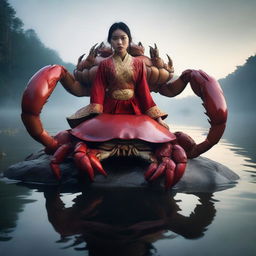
<point>160,121</point>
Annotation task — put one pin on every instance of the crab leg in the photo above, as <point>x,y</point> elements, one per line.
<point>171,164</point>
<point>58,157</point>
<point>87,162</point>
<point>169,174</point>
<point>162,153</point>
<point>151,169</point>
<point>82,160</point>
<point>180,158</point>
<point>159,171</point>
<point>84,164</point>
<point>96,164</point>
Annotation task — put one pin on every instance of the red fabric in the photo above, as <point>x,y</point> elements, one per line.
<point>105,78</point>
<point>106,127</point>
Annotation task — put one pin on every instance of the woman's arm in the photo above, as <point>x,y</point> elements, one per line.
<point>147,105</point>
<point>98,89</point>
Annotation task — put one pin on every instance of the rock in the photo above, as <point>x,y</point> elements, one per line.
<point>205,175</point>
<point>201,175</point>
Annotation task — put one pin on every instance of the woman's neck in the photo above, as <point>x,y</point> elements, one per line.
<point>121,55</point>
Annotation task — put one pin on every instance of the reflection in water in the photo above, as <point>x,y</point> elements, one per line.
<point>125,222</point>
<point>12,200</point>
<point>131,223</point>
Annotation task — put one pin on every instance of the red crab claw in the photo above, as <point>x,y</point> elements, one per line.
<point>171,163</point>
<point>209,90</point>
<point>86,161</point>
<point>38,90</point>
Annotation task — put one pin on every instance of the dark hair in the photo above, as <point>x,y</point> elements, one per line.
<point>122,26</point>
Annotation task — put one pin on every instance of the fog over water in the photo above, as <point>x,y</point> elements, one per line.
<point>215,36</point>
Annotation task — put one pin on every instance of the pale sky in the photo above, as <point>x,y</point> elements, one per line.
<point>215,36</point>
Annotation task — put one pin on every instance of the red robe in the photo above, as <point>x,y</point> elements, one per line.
<point>120,87</point>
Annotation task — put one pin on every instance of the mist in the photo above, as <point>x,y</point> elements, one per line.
<point>23,54</point>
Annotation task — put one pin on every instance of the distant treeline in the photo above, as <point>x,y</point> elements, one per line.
<point>21,55</point>
<point>240,87</point>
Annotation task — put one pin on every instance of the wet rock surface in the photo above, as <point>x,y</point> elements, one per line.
<point>201,175</point>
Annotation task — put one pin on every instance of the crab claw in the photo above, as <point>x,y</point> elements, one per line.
<point>170,64</point>
<point>94,50</point>
<point>87,161</point>
<point>103,50</point>
<point>80,59</point>
<point>102,45</point>
<point>156,60</point>
<point>209,90</point>
<point>136,49</point>
<point>154,52</point>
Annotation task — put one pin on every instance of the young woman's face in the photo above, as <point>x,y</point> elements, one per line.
<point>120,41</point>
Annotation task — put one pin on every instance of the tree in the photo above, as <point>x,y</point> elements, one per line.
<point>21,54</point>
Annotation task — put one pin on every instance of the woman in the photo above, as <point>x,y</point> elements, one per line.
<point>120,86</point>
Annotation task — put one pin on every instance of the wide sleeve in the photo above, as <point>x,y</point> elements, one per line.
<point>98,90</point>
<point>96,101</point>
<point>146,103</point>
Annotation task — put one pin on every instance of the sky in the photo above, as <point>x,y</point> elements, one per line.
<point>215,36</point>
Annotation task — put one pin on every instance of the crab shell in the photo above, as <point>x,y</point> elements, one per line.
<point>123,135</point>
<point>106,127</point>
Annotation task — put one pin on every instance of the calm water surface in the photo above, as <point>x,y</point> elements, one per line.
<point>47,221</point>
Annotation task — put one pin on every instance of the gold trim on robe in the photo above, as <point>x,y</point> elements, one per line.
<point>123,68</point>
<point>155,112</point>
<point>84,113</point>
<point>122,94</point>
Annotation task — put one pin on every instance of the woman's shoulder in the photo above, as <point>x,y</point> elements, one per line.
<point>138,61</point>
<point>106,61</point>
<point>105,64</point>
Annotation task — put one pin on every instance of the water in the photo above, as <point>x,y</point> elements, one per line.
<point>46,221</point>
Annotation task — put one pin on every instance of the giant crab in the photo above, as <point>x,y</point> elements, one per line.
<point>123,135</point>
